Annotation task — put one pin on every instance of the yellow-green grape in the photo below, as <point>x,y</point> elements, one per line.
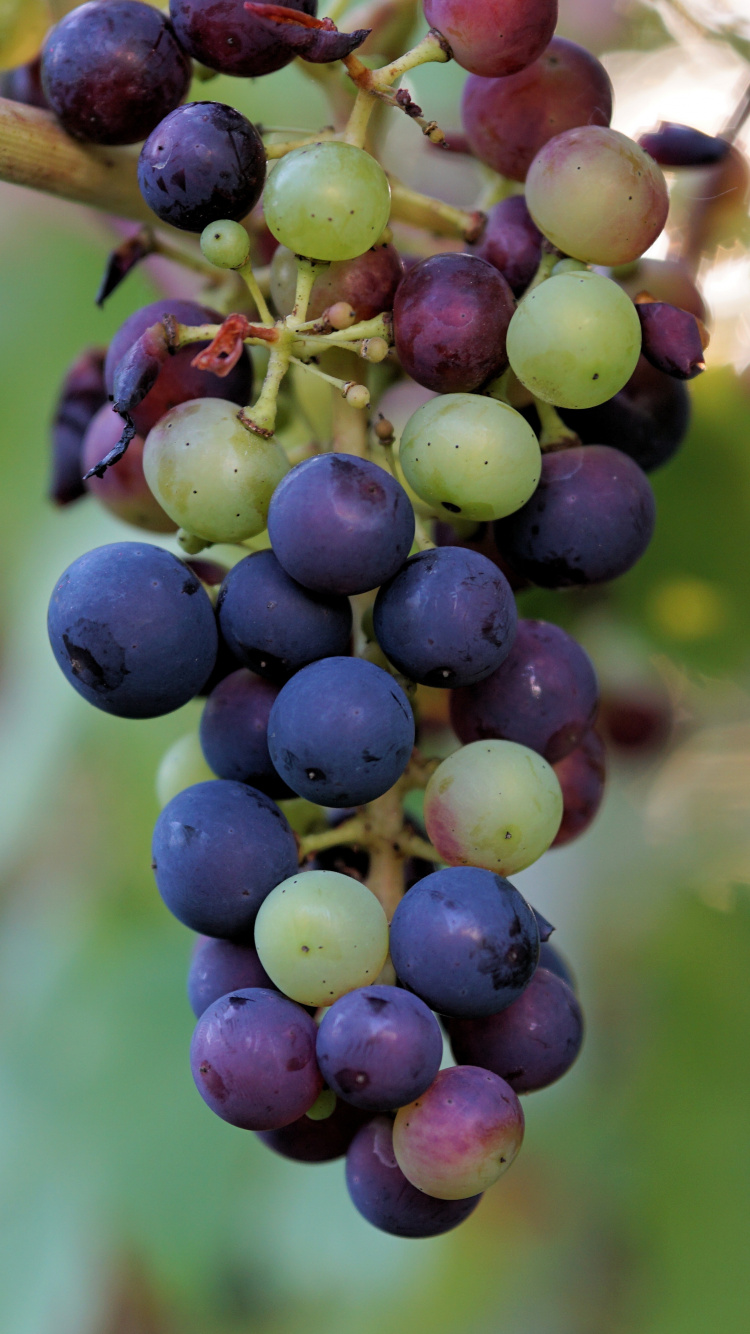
<point>568,266</point>
<point>226,244</point>
<point>471,457</point>
<point>23,24</point>
<point>181,766</point>
<point>323,1107</point>
<point>327,201</point>
<point>210,474</point>
<point>320,934</point>
<point>575,340</point>
<point>493,804</point>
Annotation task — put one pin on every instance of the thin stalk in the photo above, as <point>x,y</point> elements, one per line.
<point>253,287</point>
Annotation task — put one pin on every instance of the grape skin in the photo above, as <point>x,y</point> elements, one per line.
<point>367,283</point>
<point>582,776</point>
<point>551,959</point>
<point>308,1141</point>
<point>495,37</point>
<point>24,84</point>
<point>381,1193</point>
<point>512,242</point>
<point>181,766</point>
<point>81,395</point>
<point>220,966</point>
<point>379,1048</point>
<point>123,489</point>
<point>231,41</point>
<point>648,419</point>
<point>327,201</point>
<point>233,732</point>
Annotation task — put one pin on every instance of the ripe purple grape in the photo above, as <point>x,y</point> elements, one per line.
<point>226,37</point>
<point>82,394</point>
<point>450,319</point>
<point>24,84</point>
<point>382,1194</point>
<point>551,959</point>
<point>648,420</point>
<point>308,1141</point>
<point>671,339</point>
<point>512,242</point>
<point>123,489</point>
<point>581,776</point>
<point>495,37</point>
<point>508,120</point>
<point>220,966</point>
<point>673,145</point>
<point>234,732</point>
<point>111,71</point>
<point>379,1048</point>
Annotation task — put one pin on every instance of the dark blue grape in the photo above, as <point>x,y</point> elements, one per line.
<point>218,849</point>
<point>132,630</point>
<point>379,1048</point>
<point>648,420</point>
<point>382,1194</point>
<point>544,927</point>
<point>672,339</point>
<point>308,1141</point>
<point>220,966</point>
<point>674,145</point>
<point>544,695</point>
<point>339,524</point>
<point>589,520</point>
<point>111,71</point>
<point>341,732</point>
<point>512,242</point>
<point>82,394</point>
<point>532,1043</point>
<point>273,625</point>
<point>234,732</point>
<point>448,618</point>
<point>24,84</point>
<point>253,1059</point>
<point>552,960</point>
<point>204,162</point>
<point>465,941</point>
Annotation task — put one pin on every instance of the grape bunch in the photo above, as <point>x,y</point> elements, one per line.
<point>348,885</point>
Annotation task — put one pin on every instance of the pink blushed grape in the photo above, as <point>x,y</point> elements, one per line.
<point>495,36</point>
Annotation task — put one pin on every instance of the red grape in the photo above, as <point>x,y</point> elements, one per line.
<point>512,242</point>
<point>581,776</point>
<point>81,396</point>
<point>493,37</point>
<point>123,489</point>
<point>671,339</point>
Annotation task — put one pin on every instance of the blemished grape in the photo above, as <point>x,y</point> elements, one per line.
<point>220,966</point>
<point>450,320</point>
<point>226,39</point>
<point>512,242</point>
<point>470,457</point>
<point>672,340</point>
<point>253,1059</point>
<point>339,524</point>
<point>632,200</point>
<point>465,941</point>
<point>111,71</point>
<point>382,1194</point>
<point>341,732</point>
<point>132,630</point>
<point>495,37</point>
<point>24,84</point>
<point>211,475</point>
<point>462,1134</point>
<point>575,340</point>
<point>544,695</point>
<point>181,766</point>
<point>226,244</point>
<point>122,490</point>
<point>234,732</point>
<point>273,625</point>
<point>178,380</point>
<point>493,804</point>
<point>581,776</point>
<point>674,145</point>
<point>367,283</point>
<point>81,395</point>
<point>320,934</point>
<point>218,849</point>
<point>589,521</point>
<point>327,201</point>
<point>379,1048</point>
<point>508,120</point>
<point>531,1044</point>
<point>308,1141</point>
<point>647,420</point>
<point>448,618</point>
<point>204,161</point>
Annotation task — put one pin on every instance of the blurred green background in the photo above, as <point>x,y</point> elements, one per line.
<point>125,1206</point>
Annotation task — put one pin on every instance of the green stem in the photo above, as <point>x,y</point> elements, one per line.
<point>307,271</point>
<point>434,215</point>
<point>248,274</point>
<point>554,434</point>
<point>350,832</point>
<point>261,417</point>
<point>546,265</point>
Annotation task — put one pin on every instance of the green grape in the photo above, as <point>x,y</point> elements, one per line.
<point>568,266</point>
<point>226,244</point>
<point>320,934</point>
<point>575,340</point>
<point>470,456</point>
<point>327,201</point>
<point>181,766</point>
<point>323,1107</point>
<point>211,475</point>
<point>493,804</point>
<point>23,24</point>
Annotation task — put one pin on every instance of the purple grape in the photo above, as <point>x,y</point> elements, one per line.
<point>81,396</point>
<point>307,1141</point>
<point>448,618</point>
<point>253,1059</point>
<point>273,625</point>
<point>24,84</point>
<point>544,695</point>
<point>242,39</point>
<point>122,490</point>
<point>341,732</point>
<point>532,1043</point>
<point>339,524</point>
<point>234,727</point>
<point>512,242</point>
<point>493,37</point>
<point>132,630</point>
<point>465,941</point>
<point>218,967</point>
<point>638,717</point>
<point>204,162</point>
<point>450,319</point>
<point>552,960</point>
<point>379,1048</point>
<point>381,1193</point>
<point>671,339</point>
<point>674,145</point>
<point>589,520</point>
<point>111,71</point>
<point>178,380</point>
<point>648,420</point>
<point>582,776</point>
<point>218,849</point>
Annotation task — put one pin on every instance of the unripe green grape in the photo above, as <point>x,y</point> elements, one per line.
<point>226,244</point>
<point>181,766</point>
<point>470,456</point>
<point>568,266</point>
<point>493,804</point>
<point>210,474</point>
<point>323,1107</point>
<point>575,340</point>
<point>327,201</point>
<point>320,934</point>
